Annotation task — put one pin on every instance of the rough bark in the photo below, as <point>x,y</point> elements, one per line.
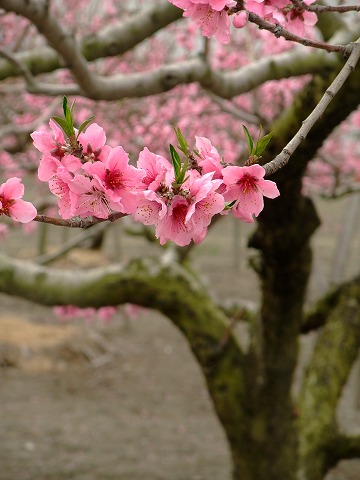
<point>283,238</point>
<point>335,352</point>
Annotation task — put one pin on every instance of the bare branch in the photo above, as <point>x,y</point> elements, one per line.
<point>77,222</point>
<point>109,41</point>
<point>326,8</point>
<point>234,110</point>
<point>282,159</point>
<point>279,31</point>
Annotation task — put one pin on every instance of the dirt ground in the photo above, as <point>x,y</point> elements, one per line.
<point>125,400</point>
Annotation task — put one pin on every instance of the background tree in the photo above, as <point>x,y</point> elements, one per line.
<point>176,77</point>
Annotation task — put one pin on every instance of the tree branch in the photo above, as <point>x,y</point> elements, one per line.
<point>282,159</point>
<point>335,351</point>
<point>342,447</point>
<point>317,316</point>
<point>279,31</point>
<point>110,41</point>
<point>225,85</point>
<point>168,288</point>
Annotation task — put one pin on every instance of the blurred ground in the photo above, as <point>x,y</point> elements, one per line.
<point>125,400</point>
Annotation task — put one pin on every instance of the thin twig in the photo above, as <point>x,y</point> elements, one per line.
<point>282,159</point>
<point>279,31</point>
<point>326,8</point>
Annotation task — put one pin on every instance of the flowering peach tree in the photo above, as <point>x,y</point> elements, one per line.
<point>194,128</point>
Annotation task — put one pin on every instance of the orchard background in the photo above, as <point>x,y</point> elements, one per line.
<point>270,332</point>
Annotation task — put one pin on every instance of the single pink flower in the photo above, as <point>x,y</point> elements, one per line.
<point>246,185</point>
<point>210,159</point>
<point>121,182</point>
<point>209,15</point>
<point>59,186</point>
<point>93,143</point>
<point>155,167</point>
<point>49,165</point>
<point>151,208</point>
<point>11,204</point>
<point>92,198</point>
<point>205,202</point>
<point>297,20</point>
<point>50,144</point>
<point>174,226</point>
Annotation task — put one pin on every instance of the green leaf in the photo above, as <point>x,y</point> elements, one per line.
<point>64,125</point>
<point>262,144</point>
<point>69,116</point>
<point>84,125</point>
<point>65,105</point>
<point>249,140</point>
<point>183,145</point>
<point>175,158</point>
<point>196,152</point>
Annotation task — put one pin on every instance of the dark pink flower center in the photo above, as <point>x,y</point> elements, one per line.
<point>114,179</point>
<point>247,183</point>
<point>296,13</point>
<point>6,204</point>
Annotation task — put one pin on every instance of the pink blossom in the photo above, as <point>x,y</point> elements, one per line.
<point>266,9</point>
<point>49,165</point>
<point>91,198</point>
<point>190,211</point>
<point>209,15</point>
<point>50,144</point>
<point>11,204</point>
<point>151,208</point>
<point>297,20</point>
<point>205,203</point>
<point>59,186</point>
<point>93,143</point>
<point>210,159</point>
<point>155,167</point>
<point>121,182</point>
<point>246,185</point>
<point>284,13</point>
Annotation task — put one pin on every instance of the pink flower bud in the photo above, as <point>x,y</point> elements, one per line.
<point>240,19</point>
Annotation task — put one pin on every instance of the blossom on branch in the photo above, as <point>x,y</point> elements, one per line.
<point>210,15</point>
<point>247,187</point>
<point>11,204</point>
<point>180,213</point>
<point>293,18</point>
<point>179,198</point>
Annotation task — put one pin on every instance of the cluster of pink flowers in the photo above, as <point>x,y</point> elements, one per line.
<point>212,16</point>
<point>93,179</point>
